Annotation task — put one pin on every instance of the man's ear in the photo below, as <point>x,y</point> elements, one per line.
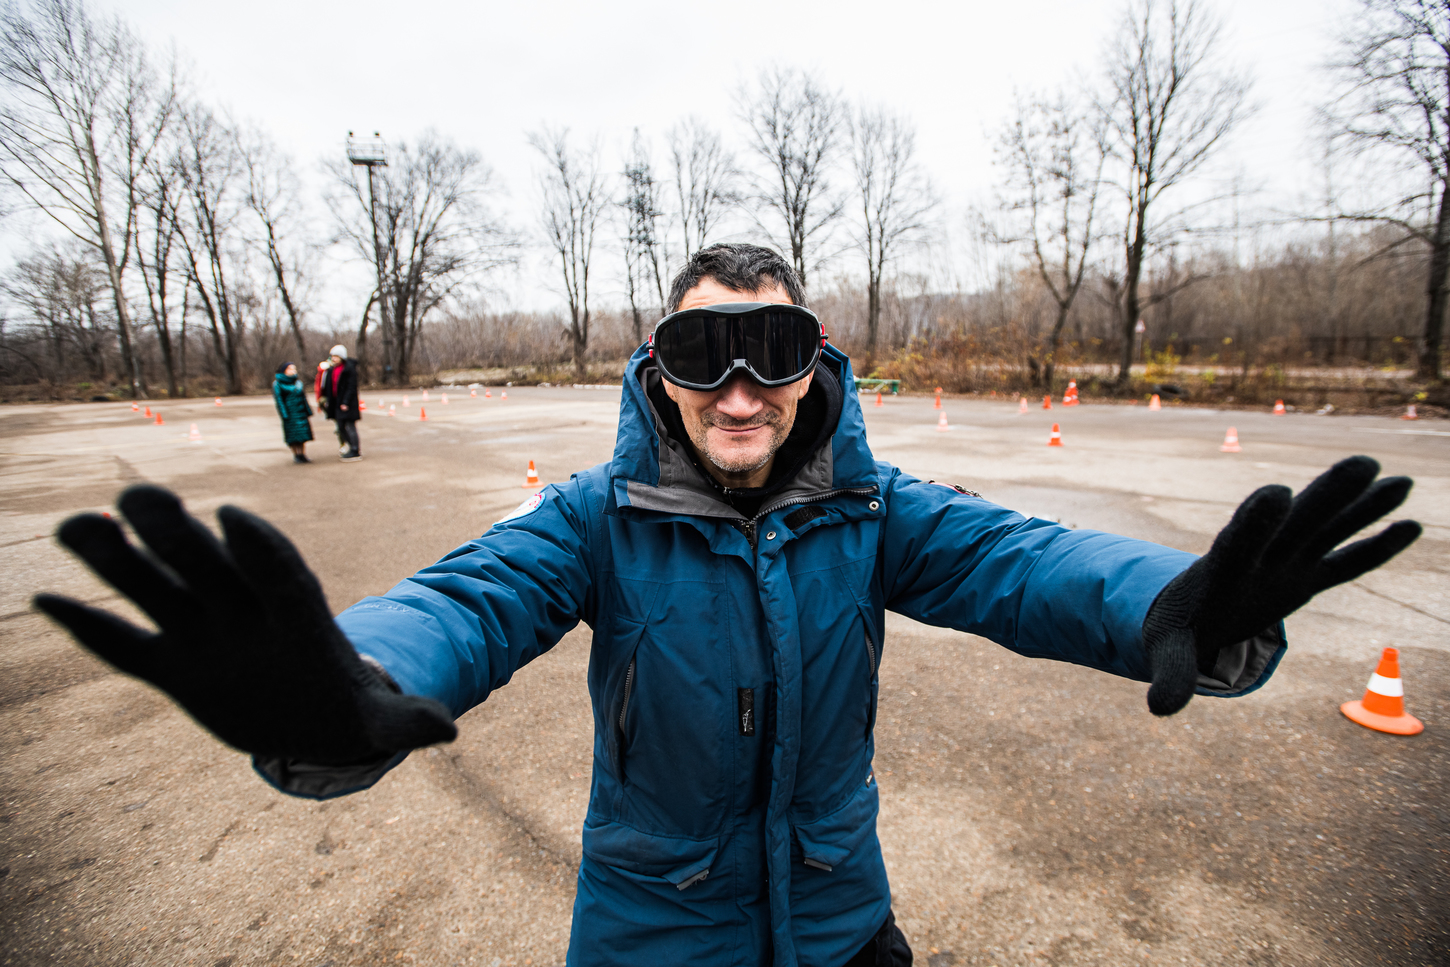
<point>804,384</point>
<point>671,390</point>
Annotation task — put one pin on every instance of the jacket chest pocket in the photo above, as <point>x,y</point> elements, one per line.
<point>673,716</point>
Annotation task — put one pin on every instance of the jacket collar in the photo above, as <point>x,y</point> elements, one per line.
<point>653,470</point>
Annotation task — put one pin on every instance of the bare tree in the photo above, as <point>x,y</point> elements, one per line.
<point>210,170</point>
<point>1054,151</point>
<point>1396,70</point>
<point>274,198</point>
<point>83,116</point>
<point>894,196</point>
<point>795,133</point>
<point>1169,104</point>
<point>705,181</point>
<point>157,253</point>
<point>574,197</point>
<point>63,291</point>
<point>437,235</point>
<point>643,246</point>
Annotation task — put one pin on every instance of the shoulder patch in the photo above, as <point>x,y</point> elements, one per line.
<point>527,507</point>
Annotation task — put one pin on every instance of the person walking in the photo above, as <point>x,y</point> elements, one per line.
<point>735,560</point>
<point>338,399</point>
<point>290,395</point>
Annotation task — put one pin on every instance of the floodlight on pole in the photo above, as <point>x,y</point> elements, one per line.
<point>372,153</point>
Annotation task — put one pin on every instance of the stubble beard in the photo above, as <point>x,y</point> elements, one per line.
<point>734,462</point>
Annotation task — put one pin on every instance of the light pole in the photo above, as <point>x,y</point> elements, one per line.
<point>373,153</point>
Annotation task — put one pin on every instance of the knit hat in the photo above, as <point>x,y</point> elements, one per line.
<point>340,351</point>
<point>283,368</point>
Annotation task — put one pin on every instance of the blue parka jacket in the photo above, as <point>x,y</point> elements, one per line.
<point>734,670</point>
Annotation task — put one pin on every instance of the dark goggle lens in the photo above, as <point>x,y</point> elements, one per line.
<point>701,349</point>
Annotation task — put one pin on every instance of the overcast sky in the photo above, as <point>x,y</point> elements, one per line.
<point>485,74</point>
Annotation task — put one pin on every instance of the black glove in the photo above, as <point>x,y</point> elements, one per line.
<point>247,644</point>
<point>1268,562</point>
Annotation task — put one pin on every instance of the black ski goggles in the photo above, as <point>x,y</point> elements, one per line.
<point>701,348</point>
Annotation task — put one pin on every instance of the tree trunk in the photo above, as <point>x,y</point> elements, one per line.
<point>1053,341</point>
<point>113,271</point>
<point>1130,301</point>
<point>361,351</point>
<point>873,319</point>
<point>1429,361</point>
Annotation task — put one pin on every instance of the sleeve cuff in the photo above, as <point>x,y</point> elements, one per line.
<point>1245,666</point>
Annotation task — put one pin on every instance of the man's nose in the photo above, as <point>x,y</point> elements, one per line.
<point>739,397</point>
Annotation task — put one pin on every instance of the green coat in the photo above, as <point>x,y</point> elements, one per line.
<point>291,397</point>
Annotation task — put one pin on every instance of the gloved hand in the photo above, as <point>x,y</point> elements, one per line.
<point>247,645</point>
<point>1274,555</point>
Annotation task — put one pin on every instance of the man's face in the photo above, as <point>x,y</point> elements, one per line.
<point>738,427</point>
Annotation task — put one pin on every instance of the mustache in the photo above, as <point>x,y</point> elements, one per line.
<point>730,423</point>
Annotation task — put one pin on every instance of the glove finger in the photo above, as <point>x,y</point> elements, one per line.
<point>1350,562</point>
<point>398,722</point>
<point>1382,497</point>
<point>100,542</point>
<point>1174,660</point>
<point>1327,495</point>
<point>1238,546</point>
<point>113,639</point>
<point>273,565</point>
<point>183,543</point>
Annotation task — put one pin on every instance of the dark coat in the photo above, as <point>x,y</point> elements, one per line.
<point>733,669</point>
<point>290,395</point>
<point>340,402</point>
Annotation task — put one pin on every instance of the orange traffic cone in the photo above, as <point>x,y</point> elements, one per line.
<point>532,480</point>
<point>1070,397</point>
<point>1047,402</point>
<point>218,401</point>
<point>488,394</point>
<point>503,395</point>
<point>135,407</point>
<point>878,399</point>
<point>148,412</point>
<point>405,402</point>
<point>937,404</point>
<point>941,423</point>
<point>159,420</point>
<point>425,396</point>
<point>1231,441</point>
<point>1056,439</point>
<point>1383,705</point>
<point>1410,413</point>
<point>393,410</point>
<point>1279,408</point>
<point>362,406</point>
<point>195,435</point>
<point>473,393</point>
<point>1155,403</point>
<point>445,399</point>
<point>422,412</point>
<point>1022,406</point>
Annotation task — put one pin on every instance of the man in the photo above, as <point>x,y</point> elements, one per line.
<point>735,560</point>
<point>337,395</point>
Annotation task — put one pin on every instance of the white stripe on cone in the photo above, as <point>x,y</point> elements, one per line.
<point>1388,687</point>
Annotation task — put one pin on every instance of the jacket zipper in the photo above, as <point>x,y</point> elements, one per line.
<point>628,686</point>
<point>752,524</point>
<point>871,653</point>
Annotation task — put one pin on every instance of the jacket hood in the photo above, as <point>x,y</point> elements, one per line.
<point>655,469</point>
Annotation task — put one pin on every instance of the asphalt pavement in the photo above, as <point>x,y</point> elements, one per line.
<point>1032,812</point>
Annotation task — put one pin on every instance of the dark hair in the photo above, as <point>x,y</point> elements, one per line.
<point>283,368</point>
<point>739,266</point>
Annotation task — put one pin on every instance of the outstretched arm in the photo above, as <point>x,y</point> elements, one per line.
<point>1130,607</point>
